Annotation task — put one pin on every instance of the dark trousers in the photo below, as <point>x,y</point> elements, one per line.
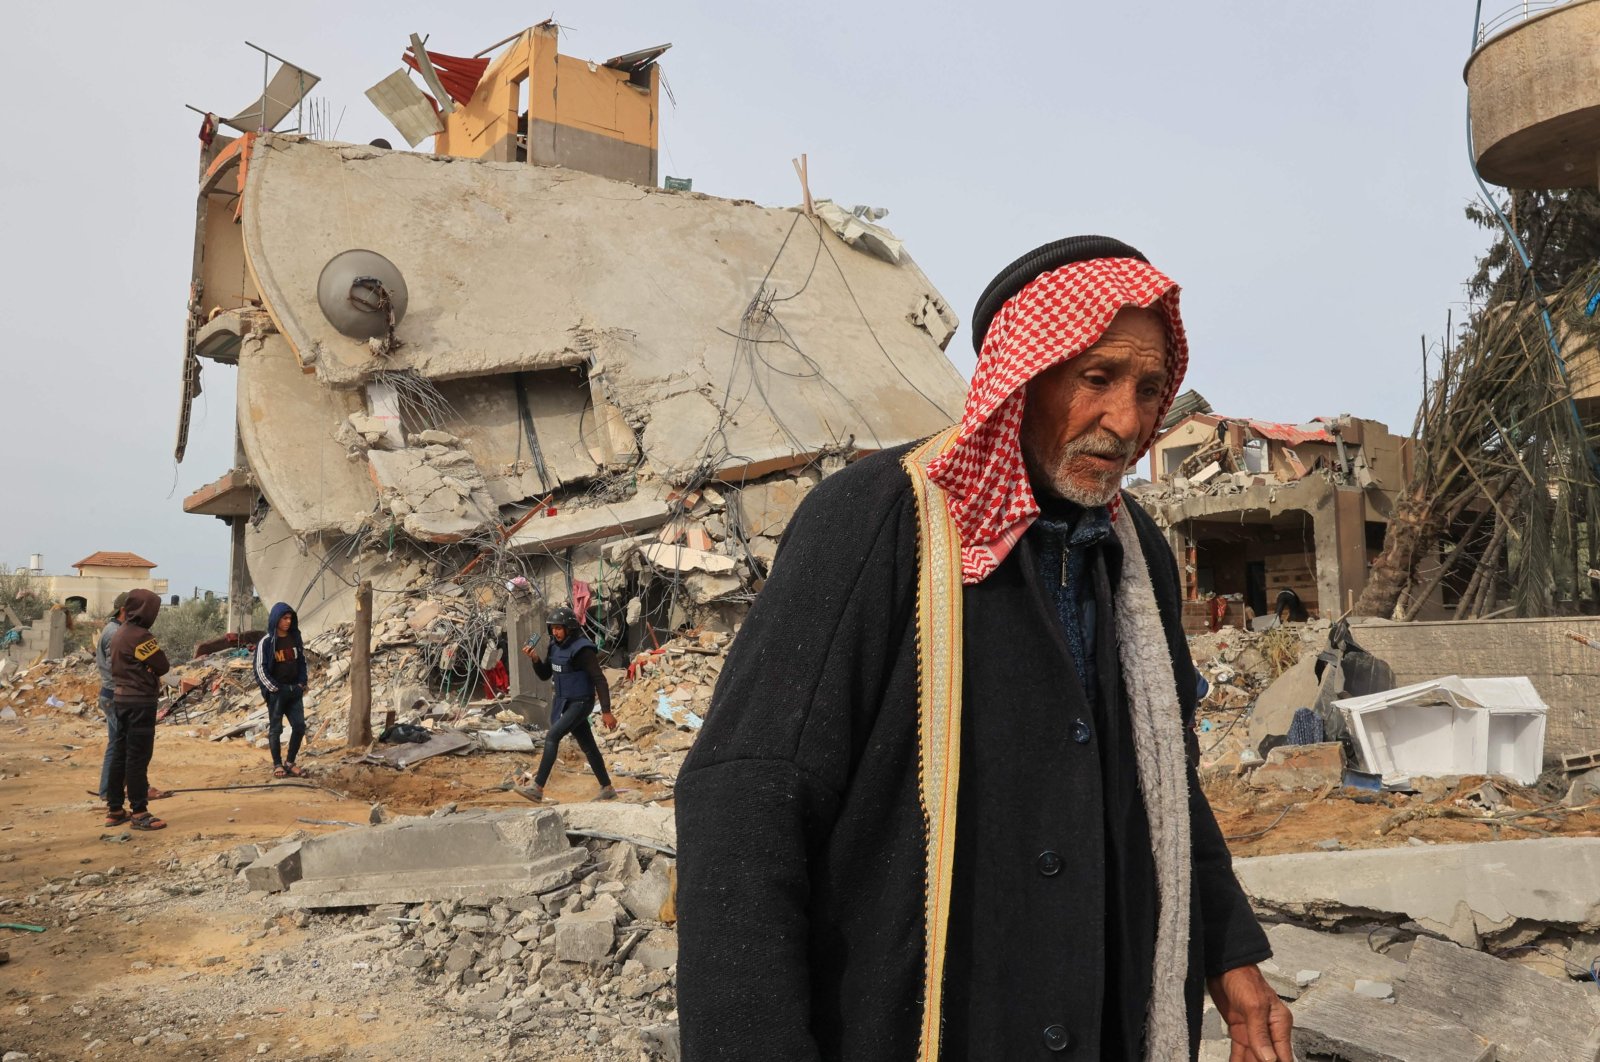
<point>288,703</point>
<point>131,748</point>
<point>571,717</point>
<point>111,739</point>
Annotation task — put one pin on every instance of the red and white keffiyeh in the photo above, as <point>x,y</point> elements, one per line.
<point>1057,316</point>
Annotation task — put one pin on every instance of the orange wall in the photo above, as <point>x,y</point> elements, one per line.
<point>560,89</point>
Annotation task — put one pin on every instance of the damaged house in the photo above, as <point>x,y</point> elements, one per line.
<point>1255,508</point>
<point>515,372</point>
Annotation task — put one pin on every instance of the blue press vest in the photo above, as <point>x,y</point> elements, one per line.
<point>572,682</point>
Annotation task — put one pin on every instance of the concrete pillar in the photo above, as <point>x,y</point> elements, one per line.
<point>529,695</point>
<point>241,591</point>
<point>1350,523</point>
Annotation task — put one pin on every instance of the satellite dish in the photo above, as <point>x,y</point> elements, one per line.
<point>359,291</point>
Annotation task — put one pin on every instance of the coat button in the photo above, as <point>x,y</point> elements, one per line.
<point>1049,864</point>
<point>1080,731</point>
<point>1056,1038</point>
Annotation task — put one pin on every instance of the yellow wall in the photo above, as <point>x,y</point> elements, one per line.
<point>1188,433</point>
<point>560,89</point>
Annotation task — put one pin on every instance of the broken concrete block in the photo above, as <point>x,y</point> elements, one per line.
<point>620,863</point>
<point>477,857</point>
<point>1331,958</point>
<point>704,588</point>
<point>684,559</point>
<point>445,492</point>
<point>1461,891</point>
<point>1584,790</point>
<point>645,897</point>
<point>584,937</point>
<point>766,508</point>
<point>662,1040</point>
<point>1500,1000</point>
<point>277,869</point>
<point>1374,989</point>
<point>1332,1023</point>
<point>658,950</point>
<point>648,827</point>
<point>1301,767</point>
<point>1275,708</point>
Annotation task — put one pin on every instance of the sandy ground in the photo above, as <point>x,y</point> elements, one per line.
<point>152,951</point>
<point>163,959</point>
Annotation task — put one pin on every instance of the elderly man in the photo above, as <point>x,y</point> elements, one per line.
<point>944,805</point>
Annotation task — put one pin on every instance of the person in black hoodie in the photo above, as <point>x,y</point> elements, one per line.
<point>137,664</point>
<point>281,674</point>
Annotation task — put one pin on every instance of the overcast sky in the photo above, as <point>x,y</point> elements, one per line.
<point>1299,168</point>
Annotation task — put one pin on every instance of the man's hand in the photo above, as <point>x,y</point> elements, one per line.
<point>608,719</point>
<point>529,652</point>
<point>1258,1023</point>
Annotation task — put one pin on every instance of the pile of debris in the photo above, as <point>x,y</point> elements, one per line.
<point>1238,666</point>
<point>427,698</point>
<point>549,922</point>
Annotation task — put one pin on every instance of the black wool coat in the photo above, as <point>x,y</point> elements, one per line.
<point>801,838</point>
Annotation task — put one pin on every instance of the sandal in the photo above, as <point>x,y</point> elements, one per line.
<point>158,794</point>
<point>116,817</point>
<point>295,772</point>
<point>280,772</point>
<point>146,821</point>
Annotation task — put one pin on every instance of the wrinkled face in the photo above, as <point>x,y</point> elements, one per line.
<point>285,621</point>
<point>1086,418</point>
<point>558,632</point>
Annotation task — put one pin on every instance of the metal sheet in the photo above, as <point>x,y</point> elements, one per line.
<point>406,106</point>
<point>403,756</point>
<point>284,92</point>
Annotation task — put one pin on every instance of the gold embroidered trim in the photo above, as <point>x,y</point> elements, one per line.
<point>939,660</point>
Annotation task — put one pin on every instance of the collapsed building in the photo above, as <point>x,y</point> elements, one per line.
<point>1254,508</point>
<point>515,373</point>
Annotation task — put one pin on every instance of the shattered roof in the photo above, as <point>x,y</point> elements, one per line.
<point>114,559</point>
<point>1288,434</point>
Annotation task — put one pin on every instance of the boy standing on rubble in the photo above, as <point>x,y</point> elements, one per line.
<point>575,666</point>
<point>137,664</point>
<point>281,674</point>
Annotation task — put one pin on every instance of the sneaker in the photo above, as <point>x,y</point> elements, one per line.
<point>607,793</point>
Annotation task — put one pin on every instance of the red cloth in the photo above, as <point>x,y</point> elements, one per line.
<point>459,76</point>
<point>582,595</point>
<point>1057,316</point>
<point>497,680</point>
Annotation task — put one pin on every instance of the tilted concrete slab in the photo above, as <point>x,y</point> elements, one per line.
<point>1337,1024</point>
<point>287,422</point>
<point>475,857</point>
<point>1461,891</point>
<point>1501,1001</point>
<point>1339,959</point>
<point>652,827</point>
<point>569,527</point>
<point>515,268</point>
<point>317,573</point>
<point>492,429</point>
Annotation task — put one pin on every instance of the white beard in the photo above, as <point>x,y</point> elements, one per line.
<point>1086,487</point>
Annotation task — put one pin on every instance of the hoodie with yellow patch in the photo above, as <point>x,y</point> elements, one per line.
<point>137,660</point>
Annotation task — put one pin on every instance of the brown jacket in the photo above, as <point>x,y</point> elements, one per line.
<point>137,660</point>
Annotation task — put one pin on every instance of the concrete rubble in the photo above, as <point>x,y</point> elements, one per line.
<point>1472,894</point>
<point>652,448</point>
<point>473,856</point>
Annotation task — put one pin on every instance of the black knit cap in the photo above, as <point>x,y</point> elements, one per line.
<point>1037,262</point>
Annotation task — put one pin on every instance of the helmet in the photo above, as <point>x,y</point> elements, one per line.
<point>563,617</point>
